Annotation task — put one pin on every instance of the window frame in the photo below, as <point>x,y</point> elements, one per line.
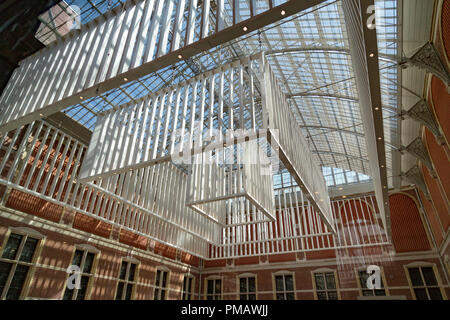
<point>160,288</point>
<point>25,233</point>
<point>129,261</point>
<point>383,278</point>
<point>336,281</point>
<point>86,249</point>
<point>436,275</point>
<point>274,284</point>
<point>220,295</point>
<point>238,285</point>
<point>183,292</point>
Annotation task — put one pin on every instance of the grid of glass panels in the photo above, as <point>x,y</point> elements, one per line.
<point>309,54</point>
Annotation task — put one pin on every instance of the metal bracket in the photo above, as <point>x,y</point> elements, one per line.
<point>428,58</point>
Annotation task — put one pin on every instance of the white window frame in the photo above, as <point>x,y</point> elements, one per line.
<point>25,233</point>
<point>436,275</point>
<point>160,287</point>
<point>129,261</point>
<point>336,281</point>
<point>383,278</point>
<point>214,278</point>
<point>285,292</point>
<point>86,249</point>
<point>246,276</point>
<point>184,292</point>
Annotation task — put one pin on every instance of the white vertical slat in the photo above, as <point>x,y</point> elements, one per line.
<point>132,38</point>
<point>178,25</point>
<point>190,27</point>
<point>123,40</point>
<point>165,28</point>
<point>19,151</point>
<point>153,32</point>
<point>205,19</point>
<point>142,34</point>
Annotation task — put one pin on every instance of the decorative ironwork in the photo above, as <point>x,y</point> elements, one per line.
<point>418,150</point>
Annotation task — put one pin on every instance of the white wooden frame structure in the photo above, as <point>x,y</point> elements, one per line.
<point>233,186</point>
<point>44,162</point>
<point>179,121</point>
<point>128,42</point>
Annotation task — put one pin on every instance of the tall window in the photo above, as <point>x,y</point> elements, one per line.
<point>188,288</point>
<point>213,289</point>
<point>363,275</point>
<point>424,283</point>
<point>15,264</point>
<point>247,288</point>
<point>284,285</point>
<point>325,286</point>
<point>161,285</point>
<point>84,259</point>
<point>127,280</point>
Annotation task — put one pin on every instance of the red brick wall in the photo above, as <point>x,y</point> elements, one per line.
<point>408,232</point>
<point>50,276</point>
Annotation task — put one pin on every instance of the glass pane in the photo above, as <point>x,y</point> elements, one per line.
<point>163,294</point>
<point>251,285</point>
<point>367,293</point>
<point>243,297</point>
<point>416,279</point>
<point>190,285</point>
<point>252,297</point>
<point>185,284</point>
<point>243,284</point>
<point>289,283</point>
<point>164,280</point>
<point>209,298</point>
<point>279,283</point>
<point>5,268</point>
<point>280,296</point>
<point>132,272</point>
<point>28,250</point>
<point>435,293</point>
<point>322,295</point>
<point>158,277</point>
<point>88,262</point>
<point>380,292</point>
<point>129,291</point>
<point>363,278</point>
<point>68,294</point>
<point>429,277</point>
<point>83,288</point>
<point>123,270</point>
<point>332,295</point>
<point>119,291</point>
<point>17,282</point>
<point>218,287</point>
<point>320,283</point>
<point>421,294</point>
<point>156,294</point>
<point>77,258</point>
<point>331,284</point>
<point>12,246</point>
<point>210,287</point>
<point>290,296</point>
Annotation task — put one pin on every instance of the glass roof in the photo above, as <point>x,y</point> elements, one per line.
<point>309,53</point>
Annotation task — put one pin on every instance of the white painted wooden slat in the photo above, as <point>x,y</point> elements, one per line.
<point>178,25</point>
<point>165,28</point>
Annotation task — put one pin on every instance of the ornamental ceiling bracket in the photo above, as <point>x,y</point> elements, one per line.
<point>428,58</point>
<point>413,175</point>
<point>422,113</point>
<point>418,150</point>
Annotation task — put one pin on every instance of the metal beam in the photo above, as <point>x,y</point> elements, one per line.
<point>364,50</point>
